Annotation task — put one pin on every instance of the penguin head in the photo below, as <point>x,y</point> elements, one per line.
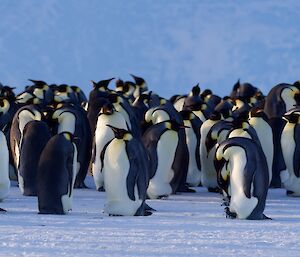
<point>195,91</point>
<point>76,89</point>
<point>107,109</point>
<point>293,115</point>
<point>138,80</point>
<point>224,108</point>
<point>257,112</point>
<point>7,92</point>
<point>101,85</point>
<point>121,133</point>
<point>115,98</point>
<point>39,84</point>
<point>241,121</point>
<point>206,94</point>
<point>187,115</point>
<point>119,85</point>
<point>162,101</point>
<point>4,105</point>
<point>174,125</point>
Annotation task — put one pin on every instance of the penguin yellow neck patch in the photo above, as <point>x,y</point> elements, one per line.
<point>67,136</point>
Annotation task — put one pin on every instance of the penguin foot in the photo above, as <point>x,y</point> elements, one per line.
<point>101,189</point>
<point>266,217</point>
<point>149,208</point>
<point>115,215</point>
<point>2,210</point>
<point>226,201</point>
<point>213,189</point>
<point>162,197</point>
<point>184,189</point>
<point>147,213</point>
<point>229,214</point>
<point>289,192</point>
<point>80,185</point>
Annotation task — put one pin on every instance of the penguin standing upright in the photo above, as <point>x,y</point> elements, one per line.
<point>56,175</point>
<point>4,167</point>
<point>125,167</point>
<point>192,131</point>
<point>242,162</point>
<point>104,134</point>
<point>36,134</point>
<point>259,121</point>
<point>71,118</point>
<point>161,141</point>
<point>290,143</point>
<point>164,112</point>
<point>279,100</point>
<point>23,116</point>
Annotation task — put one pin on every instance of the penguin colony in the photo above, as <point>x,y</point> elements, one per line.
<point>138,145</point>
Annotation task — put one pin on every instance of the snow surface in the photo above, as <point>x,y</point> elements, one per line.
<point>184,225</point>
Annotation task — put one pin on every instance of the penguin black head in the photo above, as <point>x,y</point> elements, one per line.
<point>206,93</point>
<point>293,115</point>
<point>246,91</point>
<point>75,89</point>
<point>241,120</point>
<point>119,84</point>
<point>215,115</point>
<point>63,88</point>
<point>128,85</point>
<point>187,115</point>
<point>174,125</point>
<point>121,133</point>
<point>195,91</point>
<point>138,80</point>
<point>38,83</point>
<point>4,105</point>
<point>107,109</point>
<point>114,98</point>
<point>102,85</point>
<point>258,112</point>
<point>234,89</point>
<point>224,108</point>
<point>7,92</point>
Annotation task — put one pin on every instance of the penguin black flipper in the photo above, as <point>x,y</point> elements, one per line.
<point>102,155</point>
<point>132,176</point>
<point>296,163</point>
<point>196,125</point>
<point>248,175</point>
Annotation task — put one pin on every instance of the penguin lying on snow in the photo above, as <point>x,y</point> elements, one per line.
<point>243,173</point>
<point>125,166</point>
<point>56,175</point>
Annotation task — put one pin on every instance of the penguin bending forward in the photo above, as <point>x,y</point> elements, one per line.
<point>125,167</point>
<point>242,162</point>
<point>56,175</point>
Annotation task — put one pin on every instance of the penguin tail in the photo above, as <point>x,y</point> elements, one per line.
<point>266,217</point>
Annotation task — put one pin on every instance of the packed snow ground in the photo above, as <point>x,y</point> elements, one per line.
<point>184,225</point>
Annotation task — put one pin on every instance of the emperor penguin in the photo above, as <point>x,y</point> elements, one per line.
<point>4,167</point>
<point>64,93</point>
<point>192,130</point>
<point>161,141</point>
<point>36,134</point>
<point>242,162</point>
<point>290,143</point>
<point>56,175</point>
<point>23,116</point>
<point>140,86</point>
<point>125,166</point>
<point>279,100</point>
<point>72,118</point>
<point>259,121</point>
<point>79,95</point>
<point>104,134</point>
<point>164,112</point>
<point>208,173</point>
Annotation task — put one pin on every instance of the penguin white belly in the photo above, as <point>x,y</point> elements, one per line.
<point>288,145</point>
<point>178,105</point>
<point>121,110</point>
<point>239,203</point>
<point>208,173</point>
<point>159,185</point>
<point>239,133</point>
<point>67,123</point>
<point>103,135</point>
<point>265,136</point>
<point>4,168</point>
<point>67,199</point>
<point>194,174</point>
<point>116,168</point>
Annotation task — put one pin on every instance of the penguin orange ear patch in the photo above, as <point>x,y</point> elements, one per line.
<point>67,136</point>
